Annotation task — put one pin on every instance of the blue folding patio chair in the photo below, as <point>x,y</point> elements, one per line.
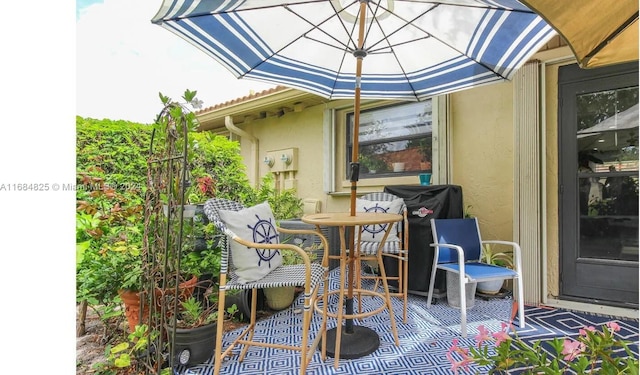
<point>458,249</point>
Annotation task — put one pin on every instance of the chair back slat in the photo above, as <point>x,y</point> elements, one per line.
<point>461,232</point>
<point>211,209</point>
<point>212,206</point>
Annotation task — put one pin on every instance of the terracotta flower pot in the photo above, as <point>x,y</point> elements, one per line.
<point>131,300</point>
<point>186,289</point>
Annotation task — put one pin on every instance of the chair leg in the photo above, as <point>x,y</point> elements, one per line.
<point>403,283</point>
<point>306,323</point>
<point>431,283</point>
<point>520,303</point>
<point>217,355</point>
<point>252,322</point>
<point>387,297</point>
<point>358,274</point>
<point>463,304</point>
<point>325,310</point>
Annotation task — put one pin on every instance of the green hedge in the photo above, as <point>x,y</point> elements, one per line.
<point>111,166</point>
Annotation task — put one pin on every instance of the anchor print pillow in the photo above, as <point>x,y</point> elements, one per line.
<point>374,233</point>
<point>255,224</point>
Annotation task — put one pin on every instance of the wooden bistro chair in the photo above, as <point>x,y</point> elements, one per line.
<point>396,247</point>
<point>458,248</point>
<point>250,260</point>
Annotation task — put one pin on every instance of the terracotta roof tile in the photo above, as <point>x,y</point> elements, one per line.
<point>245,98</point>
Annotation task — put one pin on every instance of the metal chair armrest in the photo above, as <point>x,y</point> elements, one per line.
<point>458,249</point>
<point>517,251</point>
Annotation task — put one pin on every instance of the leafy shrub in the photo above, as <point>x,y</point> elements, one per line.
<point>111,169</point>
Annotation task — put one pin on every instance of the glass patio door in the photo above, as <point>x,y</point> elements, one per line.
<point>598,155</point>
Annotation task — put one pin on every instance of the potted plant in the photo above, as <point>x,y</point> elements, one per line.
<point>501,259</point>
<point>424,145</point>
<point>282,297</point>
<point>204,231</point>
<point>203,264</point>
<point>126,265</point>
<point>195,328</point>
<point>204,187</point>
<point>194,332</point>
<point>188,209</point>
<point>373,163</point>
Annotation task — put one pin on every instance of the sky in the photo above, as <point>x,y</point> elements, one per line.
<point>124,61</point>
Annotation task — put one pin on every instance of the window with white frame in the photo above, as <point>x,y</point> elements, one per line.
<point>394,140</point>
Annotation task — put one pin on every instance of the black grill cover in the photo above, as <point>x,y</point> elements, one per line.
<point>423,204</point>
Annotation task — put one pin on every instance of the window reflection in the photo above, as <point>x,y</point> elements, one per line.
<point>608,174</point>
<point>393,140</point>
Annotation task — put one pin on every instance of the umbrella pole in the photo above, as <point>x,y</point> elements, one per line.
<point>359,54</point>
<point>355,171</point>
<point>355,341</point>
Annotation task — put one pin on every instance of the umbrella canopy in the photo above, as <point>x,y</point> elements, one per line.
<point>383,49</point>
<point>600,32</point>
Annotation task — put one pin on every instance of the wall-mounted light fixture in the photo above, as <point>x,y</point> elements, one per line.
<point>268,161</point>
<point>286,159</point>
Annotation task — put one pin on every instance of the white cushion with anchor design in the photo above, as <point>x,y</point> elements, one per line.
<point>255,224</point>
<point>375,232</point>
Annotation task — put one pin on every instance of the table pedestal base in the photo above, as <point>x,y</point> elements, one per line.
<point>361,342</point>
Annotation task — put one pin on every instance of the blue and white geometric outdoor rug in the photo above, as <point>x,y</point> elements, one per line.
<point>424,339</point>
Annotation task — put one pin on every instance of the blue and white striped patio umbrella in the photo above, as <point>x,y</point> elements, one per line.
<point>399,49</point>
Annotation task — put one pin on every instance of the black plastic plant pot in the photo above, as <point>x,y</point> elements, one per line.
<point>242,300</point>
<point>200,216</point>
<point>194,346</point>
<point>199,244</point>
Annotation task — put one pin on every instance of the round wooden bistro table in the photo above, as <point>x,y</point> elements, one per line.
<point>353,341</point>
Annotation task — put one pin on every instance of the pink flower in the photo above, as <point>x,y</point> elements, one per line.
<point>571,349</point>
<point>504,326</point>
<point>613,326</point>
<point>464,364</point>
<point>502,335</point>
<point>454,345</point>
<point>462,352</point>
<point>583,332</point>
<point>483,334</point>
